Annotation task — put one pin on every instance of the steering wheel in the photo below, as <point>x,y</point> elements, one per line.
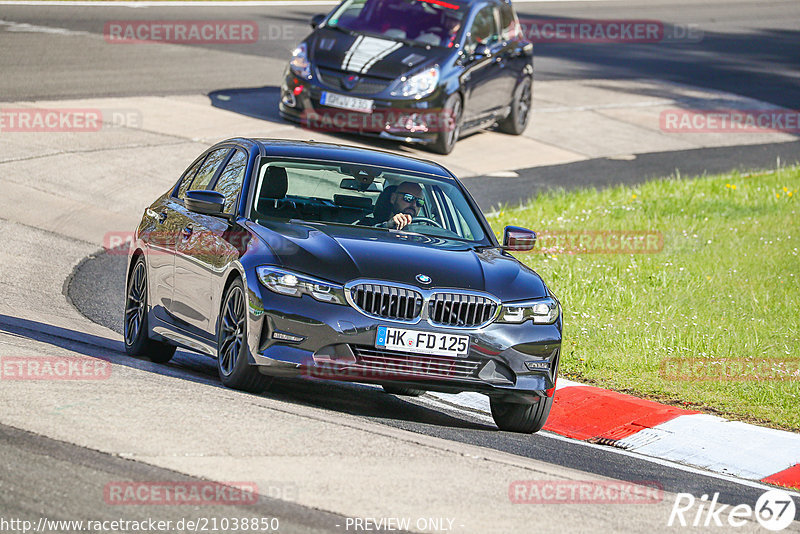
<point>425,220</point>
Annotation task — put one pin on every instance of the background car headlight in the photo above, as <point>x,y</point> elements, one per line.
<point>299,63</point>
<point>296,285</point>
<point>542,311</point>
<point>419,85</point>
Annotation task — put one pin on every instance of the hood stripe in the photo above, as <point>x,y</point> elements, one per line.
<point>366,51</point>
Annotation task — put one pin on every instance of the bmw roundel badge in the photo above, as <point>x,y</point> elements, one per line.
<point>423,279</point>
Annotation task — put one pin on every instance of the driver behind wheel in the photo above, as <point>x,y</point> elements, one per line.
<point>405,203</point>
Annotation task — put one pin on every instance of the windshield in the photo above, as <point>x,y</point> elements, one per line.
<point>424,22</point>
<point>365,196</point>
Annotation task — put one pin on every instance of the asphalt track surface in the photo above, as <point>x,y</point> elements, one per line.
<point>96,288</point>
<point>749,48</point>
<point>746,47</point>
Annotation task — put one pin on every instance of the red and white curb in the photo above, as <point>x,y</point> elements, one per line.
<point>597,415</point>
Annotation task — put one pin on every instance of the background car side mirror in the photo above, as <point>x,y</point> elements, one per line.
<point>205,202</point>
<point>316,20</point>
<point>518,239</point>
<point>481,51</point>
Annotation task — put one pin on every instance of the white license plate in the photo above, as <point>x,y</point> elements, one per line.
<point>433,343</point>
<point>346,102</point>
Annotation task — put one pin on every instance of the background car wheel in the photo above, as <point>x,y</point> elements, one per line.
<point>520,115</point>
<point>525,418</point>
<point>137,342</point>
<point>232,350</point>
<point>407,392</point>
<point>449,125</point>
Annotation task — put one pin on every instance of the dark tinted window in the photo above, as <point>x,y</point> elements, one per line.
<point>483,29</point>
<point>210,166</point>
<point>187,178</point>
<point>508,23</point>
<point>230,181</point>
<point>427,22</point>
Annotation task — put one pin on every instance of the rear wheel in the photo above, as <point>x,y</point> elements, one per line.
<point>524,418</point>
<point>137,342</point>
<point>520,114</point>
<point>232,349</point>
<point>449,127</point>
<point>406,392</point>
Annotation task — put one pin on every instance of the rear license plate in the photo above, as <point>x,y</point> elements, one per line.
<point>346,102</point>
<point>419,342</point>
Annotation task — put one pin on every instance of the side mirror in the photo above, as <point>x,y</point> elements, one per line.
<point>316,20</point>
<point>518,239</point>
<point>205,202</point>
<point>481,51</point>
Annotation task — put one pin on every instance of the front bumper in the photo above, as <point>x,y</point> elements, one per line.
<point>291,336</point>
<point>397,119</point>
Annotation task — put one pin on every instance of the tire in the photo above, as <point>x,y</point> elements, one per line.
<point>520,114</point>
<point>449,125</point>
<point>406,392</point>
<point>524,418</point>
<point>134,319</point>
<point>234,370</point>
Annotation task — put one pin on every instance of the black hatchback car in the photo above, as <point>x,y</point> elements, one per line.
<point>281,258</point>
<point>424,71</point>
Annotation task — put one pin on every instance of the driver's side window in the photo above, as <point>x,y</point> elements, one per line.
<point>484,30</point>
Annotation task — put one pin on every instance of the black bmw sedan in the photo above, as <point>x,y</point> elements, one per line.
<point>287,258</point>
<point>424,71</point>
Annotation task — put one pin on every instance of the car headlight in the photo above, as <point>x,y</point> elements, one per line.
<point>293,284</point>
<point>420,84</point>
<point>299,63</point>
<point>542,311</point>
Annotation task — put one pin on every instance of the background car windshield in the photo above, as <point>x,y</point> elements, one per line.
<point>361,195</point>
<point>423,22</point>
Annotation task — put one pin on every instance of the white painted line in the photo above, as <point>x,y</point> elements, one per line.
<point>721,445</point>
<point>23,27</point>
<point>670,464</point>
<point>631,454</point>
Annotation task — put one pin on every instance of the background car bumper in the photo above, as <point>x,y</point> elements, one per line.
<point>408,120</point>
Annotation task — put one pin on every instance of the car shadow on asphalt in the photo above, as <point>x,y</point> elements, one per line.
<point>353,399</point>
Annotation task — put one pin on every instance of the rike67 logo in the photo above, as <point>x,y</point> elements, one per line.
<point>774,510</point>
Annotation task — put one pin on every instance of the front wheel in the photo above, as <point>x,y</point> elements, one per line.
<point>524,418</point>
<point>137,342</point>
<point>449,127</point>
<point>232,350</point>
<point>520,114</point>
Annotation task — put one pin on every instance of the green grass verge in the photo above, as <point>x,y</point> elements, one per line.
<point>724,290</point>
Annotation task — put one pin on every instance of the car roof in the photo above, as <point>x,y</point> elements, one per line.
<point>344,153</point>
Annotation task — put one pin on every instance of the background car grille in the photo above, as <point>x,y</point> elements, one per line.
<point>393,365</point>
<point>367,85</point>
<point>456,309</point>
<point>386,301</point>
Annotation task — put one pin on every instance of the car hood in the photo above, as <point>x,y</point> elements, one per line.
<point>368,55</point>
<point>344,253</point>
